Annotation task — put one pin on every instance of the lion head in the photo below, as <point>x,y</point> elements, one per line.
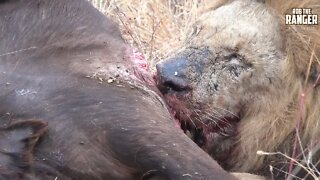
<point>243,81</point>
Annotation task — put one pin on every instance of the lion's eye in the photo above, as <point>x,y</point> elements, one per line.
<point>235,64</point>
<point>235,61</point>
<point>233,57</point>
<point>235,70</point>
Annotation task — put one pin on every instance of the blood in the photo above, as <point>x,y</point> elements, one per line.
<point>141,68</point>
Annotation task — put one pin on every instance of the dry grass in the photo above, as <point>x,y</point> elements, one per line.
<point>155,27</point>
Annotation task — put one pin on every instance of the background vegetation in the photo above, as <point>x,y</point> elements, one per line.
<point>155,27</point>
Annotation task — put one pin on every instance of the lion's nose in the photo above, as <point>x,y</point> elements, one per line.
<point>171,75</point>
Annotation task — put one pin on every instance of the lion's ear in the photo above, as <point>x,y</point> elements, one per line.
<point>17,142</point>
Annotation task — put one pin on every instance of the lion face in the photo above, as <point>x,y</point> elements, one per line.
<point>231,61</point>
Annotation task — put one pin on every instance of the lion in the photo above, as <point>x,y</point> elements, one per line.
<point>246,87</point>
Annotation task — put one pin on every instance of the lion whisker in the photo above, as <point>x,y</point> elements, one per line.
<point>216,106</point>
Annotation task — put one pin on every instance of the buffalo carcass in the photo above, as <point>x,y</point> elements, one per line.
<point>64,67</point>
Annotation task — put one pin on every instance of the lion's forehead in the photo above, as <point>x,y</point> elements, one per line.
<point>241,22</point>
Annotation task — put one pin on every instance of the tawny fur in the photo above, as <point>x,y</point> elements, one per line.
<point>269,124</point>
<point>287,53</point>
<point>272,128</point>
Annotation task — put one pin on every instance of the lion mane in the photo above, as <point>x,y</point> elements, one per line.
<point>289,122</point>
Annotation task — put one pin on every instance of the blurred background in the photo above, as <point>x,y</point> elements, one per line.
<point>155,27</point>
